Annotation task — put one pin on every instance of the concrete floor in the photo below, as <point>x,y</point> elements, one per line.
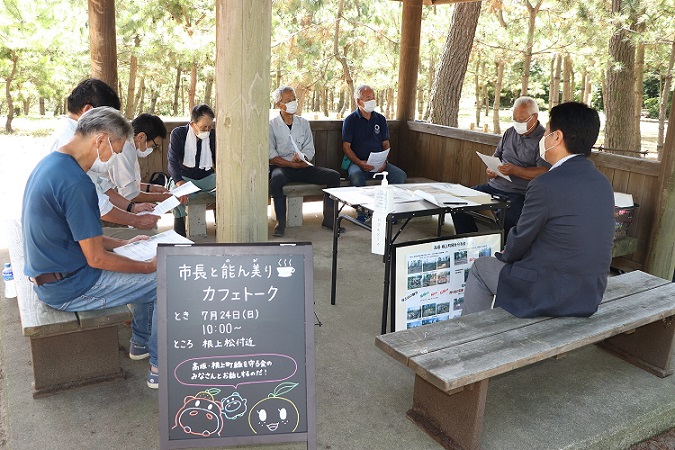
<point>588,400</point>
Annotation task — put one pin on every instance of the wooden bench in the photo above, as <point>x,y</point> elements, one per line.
<point>67,349</point>
<point>453,360</point>
<point>295,192</point>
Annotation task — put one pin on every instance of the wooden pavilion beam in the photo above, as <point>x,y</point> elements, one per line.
<point>661,256</point>
<point>102,41</point>
<point>243,53</point>
<point>409,59</point>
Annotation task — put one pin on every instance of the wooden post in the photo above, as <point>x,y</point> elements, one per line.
<point>409,59</point>
<point>102,41</point>
<point>243,36</point>
<point>661,257</point>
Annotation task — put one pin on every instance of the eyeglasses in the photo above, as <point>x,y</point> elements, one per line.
<point>155,145</point>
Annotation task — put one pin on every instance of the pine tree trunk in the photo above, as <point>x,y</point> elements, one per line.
<point>138,101</point>
<point>556,80</point>
<point>620,107</point>
<point>665,92</point>
<point>532,16</point>
<point>551,82</point>
<point>192,90</point>
<point>208,90</point>
<point>638,91</point>
<point>420,103</point>
<point>390,103</point>
<point>343,58</point>
<point>131,88</point>
<point>498,97</point>
<point>447,88</point>
<point>176,91</point>
<point>42,106</point>
<point>432,74</point>
<point>153,101</point>
<point>477,88</point>
<point>324,103</point>
<point>567,79</point>
<point>582,93</point>
<point>8,91</point>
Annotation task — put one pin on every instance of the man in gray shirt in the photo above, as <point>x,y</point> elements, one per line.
<point>519,152</point>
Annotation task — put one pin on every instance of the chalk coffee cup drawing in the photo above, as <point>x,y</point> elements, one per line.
<point>285,271</point>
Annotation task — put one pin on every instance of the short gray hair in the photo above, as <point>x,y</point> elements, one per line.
<point>104,119</point>
<point>529,102</point>
<point>360,89</point>
<point>276,95</point>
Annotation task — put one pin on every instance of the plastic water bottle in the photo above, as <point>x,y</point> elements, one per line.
<point>8,277</point>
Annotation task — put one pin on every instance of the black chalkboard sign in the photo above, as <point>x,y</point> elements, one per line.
<point>236,344</point>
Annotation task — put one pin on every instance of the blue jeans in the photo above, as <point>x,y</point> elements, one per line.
<point>116,289</point>
<point>464,223</point>
<point>206,184</point>
<point>358,177</point>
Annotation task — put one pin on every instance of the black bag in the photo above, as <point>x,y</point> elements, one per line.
<point>159,178</point>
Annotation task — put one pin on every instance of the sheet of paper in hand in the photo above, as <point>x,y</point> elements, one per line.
<point>493,164</point>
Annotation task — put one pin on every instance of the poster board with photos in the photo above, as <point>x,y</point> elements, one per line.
<point>430,276</point>
<point>236,344</point>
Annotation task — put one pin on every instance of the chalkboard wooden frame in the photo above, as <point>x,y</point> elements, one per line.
<point>165,256</point>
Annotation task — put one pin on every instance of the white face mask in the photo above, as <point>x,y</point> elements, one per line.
<point>369,106</point>
<point>292,107</point>
<point>521,127</point>
<point>542,146</point>
<point>103,166</point>
<point>143,153</point>
<point>203,134</point>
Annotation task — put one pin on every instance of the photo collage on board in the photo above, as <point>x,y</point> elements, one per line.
<point>435,283</point>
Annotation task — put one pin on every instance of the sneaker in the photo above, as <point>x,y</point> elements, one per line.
<point>138,352</point>
<point>152,379</point>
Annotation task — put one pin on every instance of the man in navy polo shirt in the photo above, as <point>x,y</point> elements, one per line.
<point>363,132</point>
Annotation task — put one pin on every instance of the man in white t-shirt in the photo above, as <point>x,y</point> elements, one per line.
<point>92,93</point>
<point>125,172</point>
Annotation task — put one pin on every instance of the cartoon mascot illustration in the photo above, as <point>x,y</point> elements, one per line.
<point>201,414</point>
<point>275,413</point>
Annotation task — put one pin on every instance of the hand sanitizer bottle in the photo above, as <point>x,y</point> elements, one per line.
<point>384,197</point>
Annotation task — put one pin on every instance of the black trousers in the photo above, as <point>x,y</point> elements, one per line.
<point>281,176</point>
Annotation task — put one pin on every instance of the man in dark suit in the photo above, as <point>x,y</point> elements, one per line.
<point>557,258</point>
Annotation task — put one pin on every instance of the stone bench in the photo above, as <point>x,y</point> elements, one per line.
<point>453,360</point>
<point>67,349</point>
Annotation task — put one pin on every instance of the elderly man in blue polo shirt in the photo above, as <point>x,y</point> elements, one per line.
<point>365,131</point>
<point>518,150</point>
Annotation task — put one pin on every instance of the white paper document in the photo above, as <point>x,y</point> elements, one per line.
<point>298,152</point>
<point>352,195</point>
<point>378,234</point>
<point>377,159</point>
<point>147,249</point>
<point>440,197</point>
<point>623,200</point>
<point>461,191</point>
<point>184,189</point>
<point>166,206</point>
<point>493,163</point>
